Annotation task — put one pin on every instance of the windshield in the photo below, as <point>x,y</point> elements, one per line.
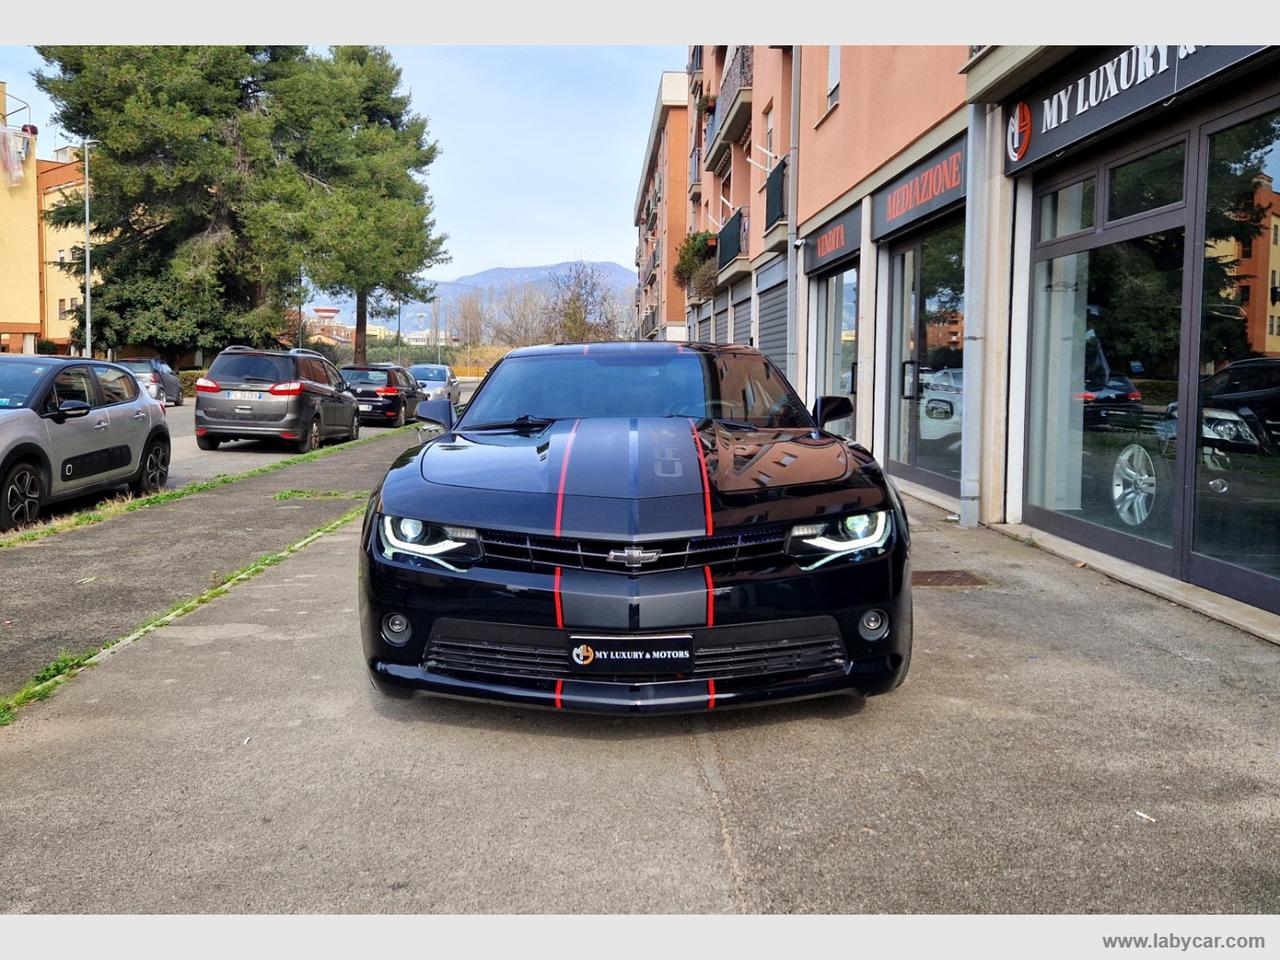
<point>17,380</point>
<point>260,367</point>
<point>740,387</point>
<point>375,377</point>
<point>427,373</point>
<point>137,366</point>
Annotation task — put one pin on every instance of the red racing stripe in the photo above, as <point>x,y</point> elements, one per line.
<point>564,472</point>
<point>559,605</point>
<point>711,694</point>
<point>706,483</point>
<point>559,687</point>
<point>711,599</point>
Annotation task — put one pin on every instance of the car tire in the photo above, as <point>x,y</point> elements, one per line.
<point>390,690</point>
<point>1141,488</point>
<point>161,397</point>
<point>355,429</point>
<point>208,443</point>
<point>399,420</point>
<point>311,439</point>
<point>180,401</point>
<point>21,495</point>
<point>153,468</point>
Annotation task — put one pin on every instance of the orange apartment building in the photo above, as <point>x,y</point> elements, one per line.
<point>660,212</point>
<point>974,243</point>
<point>60,292</point>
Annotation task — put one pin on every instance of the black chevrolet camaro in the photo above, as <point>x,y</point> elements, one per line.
<point>635,527</point>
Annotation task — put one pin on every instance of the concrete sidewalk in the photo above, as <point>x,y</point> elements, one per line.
<point>84,587</point>
<point>238,761</point>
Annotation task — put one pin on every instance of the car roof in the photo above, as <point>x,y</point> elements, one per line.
<point>47,358</point>
<point>655,347</point>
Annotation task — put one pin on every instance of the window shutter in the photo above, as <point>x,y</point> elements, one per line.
<point>833,67</point>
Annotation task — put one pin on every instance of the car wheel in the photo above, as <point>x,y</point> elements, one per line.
<point>355,428</point>
<point>390,690</point>
<point>208,443</point>
<point>181,399</point>
<point>1140,491</point>
<point>311,439</point>
<point>399,420</point>
<point>153,471</point>
<point>21,496</point>
<point>161,397</point>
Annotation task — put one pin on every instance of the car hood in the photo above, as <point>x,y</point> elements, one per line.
<point>635,477</point>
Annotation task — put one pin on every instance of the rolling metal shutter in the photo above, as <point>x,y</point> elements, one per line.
<point>704,330</point>
<point>742,318</point>
<point>773,325</point>
<point>722,326</point>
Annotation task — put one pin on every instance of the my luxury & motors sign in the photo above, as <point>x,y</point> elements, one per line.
<point>1114,86</point>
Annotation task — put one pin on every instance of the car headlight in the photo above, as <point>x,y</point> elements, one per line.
<point>1225,425</point>
<point>438,392</point>
<point>856,533</point>
<point>432,541</point>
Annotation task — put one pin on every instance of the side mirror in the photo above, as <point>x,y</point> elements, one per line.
<point>826,409</point>
<point>438,411</point>
<point>70,410</point>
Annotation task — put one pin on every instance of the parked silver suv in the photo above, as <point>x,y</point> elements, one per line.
<point>294,395</point>
<point>71,426</point>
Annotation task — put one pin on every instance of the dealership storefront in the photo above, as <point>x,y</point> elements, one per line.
<point>1147,177</point>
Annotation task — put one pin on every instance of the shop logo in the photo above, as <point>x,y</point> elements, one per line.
<point>583,655</point>
<point>1019,136</point>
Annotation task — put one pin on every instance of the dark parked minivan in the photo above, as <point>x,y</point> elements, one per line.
<point>296,396</point>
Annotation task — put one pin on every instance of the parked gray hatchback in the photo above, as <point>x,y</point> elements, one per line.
<point>70,427</point>
<point>297,396</point>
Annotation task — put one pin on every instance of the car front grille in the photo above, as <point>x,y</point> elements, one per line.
<point>722,551</point>
<point>786,648</point>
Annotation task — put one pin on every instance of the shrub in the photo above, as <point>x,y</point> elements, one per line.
<point>703,283</point>
<point>46,347</point>
<point>188,380</point>
<point>695,250</point>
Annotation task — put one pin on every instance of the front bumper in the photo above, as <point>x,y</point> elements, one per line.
<point>762,635</point>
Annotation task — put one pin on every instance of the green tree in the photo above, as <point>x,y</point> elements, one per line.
<point>371,231</point>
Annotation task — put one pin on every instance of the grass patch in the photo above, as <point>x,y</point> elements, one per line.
<point>67,665</point>
<point>322,495</point>
<point>125,504</point>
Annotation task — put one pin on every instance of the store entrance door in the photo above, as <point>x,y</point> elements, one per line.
<point>927,362</point>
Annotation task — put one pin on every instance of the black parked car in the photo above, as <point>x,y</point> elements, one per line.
<point>385,393</point>
<point>647,527</point>
<point>297,396</point>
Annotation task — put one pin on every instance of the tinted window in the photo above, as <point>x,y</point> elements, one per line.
<point>312,370</point>
<point>1147,183</point>
<point>116,385</point>
<point>74,383</point>
<point>17,380</point>
<point>374,378</point>
<point>254,367</point>
<point>731,387</point>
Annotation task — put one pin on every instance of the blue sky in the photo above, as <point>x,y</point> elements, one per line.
<point>540,146</point>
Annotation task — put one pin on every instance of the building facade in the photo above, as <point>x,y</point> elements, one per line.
<point>59,180</point>
<point>20,327</point>
<point>1025,266</point>
<point>660,219</point>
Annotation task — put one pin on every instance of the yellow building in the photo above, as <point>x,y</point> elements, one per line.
<point>59,180</point>
<point>19,230</point>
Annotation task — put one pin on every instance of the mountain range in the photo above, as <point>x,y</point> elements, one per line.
<point>621,278</point>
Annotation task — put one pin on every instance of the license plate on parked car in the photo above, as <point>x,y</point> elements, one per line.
<point>366,406</point>
<point>665,653</point>
<point>243,395</point>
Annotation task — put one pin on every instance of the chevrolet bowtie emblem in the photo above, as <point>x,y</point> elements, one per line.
<point>634,556</point>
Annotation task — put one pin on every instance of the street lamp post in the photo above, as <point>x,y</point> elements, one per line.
<point>88,245</point>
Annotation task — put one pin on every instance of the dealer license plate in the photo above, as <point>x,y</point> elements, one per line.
<point>365,407</point>
<point>243,395</point>
<point>649,653</point>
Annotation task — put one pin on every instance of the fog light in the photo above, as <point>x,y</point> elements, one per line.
<point>395,628</point>
<point>874,625</point>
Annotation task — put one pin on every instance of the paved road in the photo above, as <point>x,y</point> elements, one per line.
<point>238,761</point>
<point>190,463</point>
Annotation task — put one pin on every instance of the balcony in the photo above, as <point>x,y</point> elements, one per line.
<point>650,268</point>
<point>732,114</point>
<point>695,173</point>
<point>775,207</point>
<point>731,249</point>
<point>694,68</point>
<point>649,324</point>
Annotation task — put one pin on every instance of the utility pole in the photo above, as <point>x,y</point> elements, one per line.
<point>399,312</point>
<point>435,315</point>
<point>88,243</point>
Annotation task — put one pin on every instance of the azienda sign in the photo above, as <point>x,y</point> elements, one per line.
<point>1109,88</point>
